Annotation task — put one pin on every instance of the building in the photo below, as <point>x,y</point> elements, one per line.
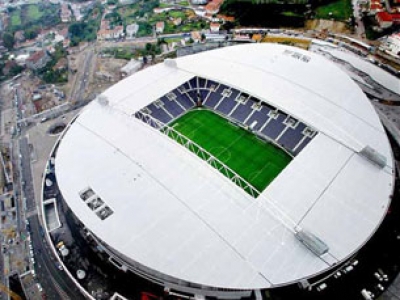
<point>131,67</point>
<point>127,2</point>
<point>196,36</point>
<point>131,30</point>
<point>193,227</point>
<point>384,19</point>
<point>224,18</point>
<point>110,34</point>
<point>159,10</point>
<point>214,27</point>
<point>160,27</point>
<point>38,60</point>
<point>21,59</point>
<point>177,21</point>
<point>213,6</point>
<point>392,45</point>
<point>65,13</point>
<point>19,36</point>
<point>199,2</point>
<point>62,64</point>
<point>375,6</point>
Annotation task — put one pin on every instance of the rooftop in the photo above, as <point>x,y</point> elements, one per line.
<point>166,196</point>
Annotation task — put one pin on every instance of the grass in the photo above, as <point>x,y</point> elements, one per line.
<point>34,13</point>
<point>256,161</point>
<point>177,14</point>
<point>16,18</point>
<point>172,40</point>
<point>339,10</point>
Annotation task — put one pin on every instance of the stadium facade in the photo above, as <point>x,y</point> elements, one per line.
<point>165,207</point>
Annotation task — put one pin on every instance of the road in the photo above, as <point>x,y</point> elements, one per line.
<point>26,175</point>
<point>56,284</point>
<point>81,80</point>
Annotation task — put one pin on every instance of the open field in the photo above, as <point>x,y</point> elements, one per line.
<point>16,18</point>
<point>339,10</point>
<point>33,16</point>
<point>256,161</point>
<point>34,13</point>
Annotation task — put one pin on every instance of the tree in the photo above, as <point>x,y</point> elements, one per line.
<point>15,69</point>
<point>8,40</point>
<point>31,33</point>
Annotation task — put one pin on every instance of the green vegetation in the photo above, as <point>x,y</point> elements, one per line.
<point>193,26</point>
<point>32,32</point>
<point>340,10</point>
<point>16,18</point>
<point>290,13</point>
<point>177,14</point>
<point>114,18</point>
<point>164,5</point>
<point>184,3</point>
<point>145,29</point>
<point>142,14</point>
<point>371,34</point>
<point>256,161</point>
<point>34,15</point>
<point>48,74</point>
<point>128,53</point>
<point>8,40</point>
<point>171,40</point>
<point>86,30</point>
<point>139,13</point>
<point>128,13</point>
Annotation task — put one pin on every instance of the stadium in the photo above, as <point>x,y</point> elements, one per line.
<point>230,171</point>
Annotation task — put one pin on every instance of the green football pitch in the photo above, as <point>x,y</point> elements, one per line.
<point>256,161</point>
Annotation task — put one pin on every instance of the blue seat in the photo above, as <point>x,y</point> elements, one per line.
<point>292,137</point>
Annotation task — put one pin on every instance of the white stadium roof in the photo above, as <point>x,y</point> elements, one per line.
<point>176,214</point>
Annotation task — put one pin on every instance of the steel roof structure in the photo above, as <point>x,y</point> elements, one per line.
<point>178,216</point>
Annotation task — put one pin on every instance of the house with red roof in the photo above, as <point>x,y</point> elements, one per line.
<point>160,27</point>
<point>214,27</point>
<point>38,60</point>
<point>213,6</point>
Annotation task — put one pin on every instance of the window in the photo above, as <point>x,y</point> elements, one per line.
<point>274,114</point>
<point>226,93</point>
<point>309,132</point>
<point>146,110</point>
<point>158,103</point>
<point>291,122</point>
<point>86,194</point>
<point>256,106</point>
<point>95,203</point>
<point>242,98</point>
<point>171,96</point>
<point>104,213</point>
